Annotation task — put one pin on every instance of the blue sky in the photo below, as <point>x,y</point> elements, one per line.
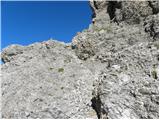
<point>26,22</point>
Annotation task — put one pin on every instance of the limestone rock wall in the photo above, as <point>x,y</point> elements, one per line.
<point>110,70</point>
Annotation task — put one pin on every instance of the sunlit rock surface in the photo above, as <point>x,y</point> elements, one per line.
<point>110,70</point>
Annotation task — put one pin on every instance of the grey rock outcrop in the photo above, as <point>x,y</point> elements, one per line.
<point>131,12</point>
<point>47,80</point>
<point>109,70</point>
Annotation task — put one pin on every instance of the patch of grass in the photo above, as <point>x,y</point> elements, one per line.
<point>156,44</point>
<point>154,74</point>
<point>62,88</point>
<point>51,68</point>
<point>50,94</point>
<point>61,70</point>
<point>68,60</point>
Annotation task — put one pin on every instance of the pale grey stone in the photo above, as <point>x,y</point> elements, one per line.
<point>109,70</point>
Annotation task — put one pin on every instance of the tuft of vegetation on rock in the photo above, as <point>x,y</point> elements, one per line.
<point>61,70</point>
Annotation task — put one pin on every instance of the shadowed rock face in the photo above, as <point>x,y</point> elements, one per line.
<point>109,70</point>
<point>129,11</point>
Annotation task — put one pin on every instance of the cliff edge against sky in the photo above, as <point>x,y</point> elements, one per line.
<point>110,70</point>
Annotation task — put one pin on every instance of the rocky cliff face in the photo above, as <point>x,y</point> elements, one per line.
<point>109,70</point>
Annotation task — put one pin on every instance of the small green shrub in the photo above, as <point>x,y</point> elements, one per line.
<point>61,70</point>
<point>50,94</point>
<point>156,44</point>
<point>154,74</point>
<point>51,68</point>
<point>62,88</point>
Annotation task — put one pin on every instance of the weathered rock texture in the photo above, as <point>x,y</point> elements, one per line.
<point>109,70</point>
